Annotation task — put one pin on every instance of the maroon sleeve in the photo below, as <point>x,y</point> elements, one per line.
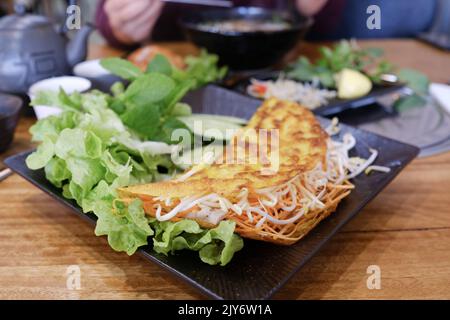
<point>327,20</point>
<point>102,24</point>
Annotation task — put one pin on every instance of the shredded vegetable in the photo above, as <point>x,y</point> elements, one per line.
<point>308,94</point>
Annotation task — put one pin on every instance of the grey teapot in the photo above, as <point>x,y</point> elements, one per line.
<point>31,49</point>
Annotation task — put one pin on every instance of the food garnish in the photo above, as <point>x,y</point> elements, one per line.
<point>307,94</point>
<point>352,84</point>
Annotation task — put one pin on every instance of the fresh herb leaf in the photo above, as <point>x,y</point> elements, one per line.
<point>143,119</point>
<point>117,89</point>
<point>409,102</point>
<point>121,67</point>
<point>344,55</point>
<point>202,69</point>
<point>416,80</point>
<point>149,88</point>
<point>164,132</point>
<point>160,64</point>
<point>177,94</point>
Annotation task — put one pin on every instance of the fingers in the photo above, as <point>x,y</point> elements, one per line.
<point>115,5</point>
<point>138,9</point>
<point>132,21</point>
<point>140,28</point>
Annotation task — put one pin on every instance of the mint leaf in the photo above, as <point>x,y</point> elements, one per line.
<point>416,80</point>
<point>409,102</point>
<point>144,119</point>
<point>159,64</point>
<point>149,88</point>
<point>164,133</point>
<point>177,94</point>
<point>121,67</point>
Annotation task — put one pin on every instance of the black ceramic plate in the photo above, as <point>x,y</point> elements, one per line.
<point>260,269</point>
<point>334,106</point>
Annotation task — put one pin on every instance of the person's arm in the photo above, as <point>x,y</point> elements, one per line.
<point>310,7</point>
<point>127,22</point>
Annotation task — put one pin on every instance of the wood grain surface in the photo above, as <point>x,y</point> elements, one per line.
<point>405,230</point>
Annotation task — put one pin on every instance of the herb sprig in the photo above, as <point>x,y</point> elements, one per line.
<point>150,104</point>
<point>347,55</point>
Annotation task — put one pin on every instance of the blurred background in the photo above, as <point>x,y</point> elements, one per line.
<point>135,29</point>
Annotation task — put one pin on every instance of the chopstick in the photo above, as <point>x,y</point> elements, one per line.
<point>5,173</point>
<point>211,3</point>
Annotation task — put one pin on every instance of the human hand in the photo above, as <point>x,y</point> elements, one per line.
<point>310,7</point>
<point>132,20</point>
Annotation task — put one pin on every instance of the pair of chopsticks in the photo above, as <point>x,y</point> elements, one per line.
<point>211,3</point>
<point>5,173</point>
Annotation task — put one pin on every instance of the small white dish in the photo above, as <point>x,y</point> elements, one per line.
<point>90,69</point>
<point>67,83</point>
<point>100,78</point>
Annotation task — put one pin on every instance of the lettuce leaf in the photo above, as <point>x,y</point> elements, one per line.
<point>43,154</point>
<point>215,246</point>
<point>127,229</point>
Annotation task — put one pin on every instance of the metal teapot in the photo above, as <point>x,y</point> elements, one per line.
<point>31,49</point>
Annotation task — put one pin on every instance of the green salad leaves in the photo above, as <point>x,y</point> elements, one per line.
<point>347,55</point>
<point>100,142</point>
<point>344,55</point>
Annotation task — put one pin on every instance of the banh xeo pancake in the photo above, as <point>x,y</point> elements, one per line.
<point>276,199</point>
<point>294,124</point>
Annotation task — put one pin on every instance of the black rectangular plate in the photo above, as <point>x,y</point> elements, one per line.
<point>260,269</point>
<point>335,105</point>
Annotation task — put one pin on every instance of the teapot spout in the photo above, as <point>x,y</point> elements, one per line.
<point>76,50</point>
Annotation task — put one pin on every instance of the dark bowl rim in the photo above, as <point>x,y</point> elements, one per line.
<point>304,23</point>
<point>15,106</point>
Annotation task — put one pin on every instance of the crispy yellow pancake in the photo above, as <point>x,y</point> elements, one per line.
<point>302,145</point>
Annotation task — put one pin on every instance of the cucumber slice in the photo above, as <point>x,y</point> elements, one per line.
<point>217,117</point>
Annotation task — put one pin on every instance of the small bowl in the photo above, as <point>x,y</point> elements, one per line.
<point>68,84</point>
<point>9,117</point>
<point>250,49</point>
<point>101,78</point>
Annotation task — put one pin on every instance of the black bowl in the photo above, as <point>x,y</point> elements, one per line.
<point>9,116</point>
<point>246,50</point>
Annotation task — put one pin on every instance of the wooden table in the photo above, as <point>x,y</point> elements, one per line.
<point>405,231</point>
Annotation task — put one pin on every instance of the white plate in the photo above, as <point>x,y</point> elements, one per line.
<point>67,83</point>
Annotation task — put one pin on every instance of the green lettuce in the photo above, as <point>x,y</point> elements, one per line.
<point>215,246</point>
<point>89,151</point>
<point>127,228</point>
